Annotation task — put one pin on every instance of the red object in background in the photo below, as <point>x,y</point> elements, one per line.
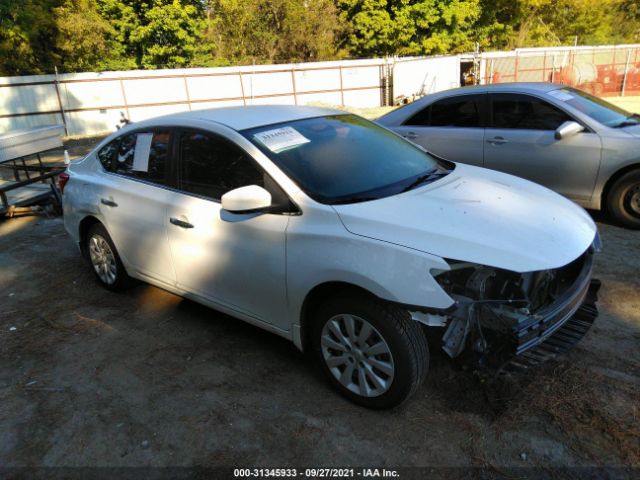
<point>63,178</point>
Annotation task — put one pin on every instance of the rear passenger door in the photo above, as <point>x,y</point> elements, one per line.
<point>520,140</point>
<point>452,128</point>
<point>134,198</point>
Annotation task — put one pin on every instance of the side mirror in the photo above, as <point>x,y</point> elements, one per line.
<point>568,129</point>
<point>251,198</point>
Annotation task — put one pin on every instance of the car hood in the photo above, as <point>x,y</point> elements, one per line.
<point>633,130</point>
<point>481,216</point>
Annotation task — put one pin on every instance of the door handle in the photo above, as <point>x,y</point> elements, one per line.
<point>108,203</point>
<point>497,141</point>
<point>180,223</point>
<point>411,135</point>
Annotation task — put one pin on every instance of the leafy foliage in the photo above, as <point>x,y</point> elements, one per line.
<point>77,35</point>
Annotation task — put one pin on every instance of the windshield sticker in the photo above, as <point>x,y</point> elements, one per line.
<point>141,155</point>
<point>281,139</point>
<point>561,95</point>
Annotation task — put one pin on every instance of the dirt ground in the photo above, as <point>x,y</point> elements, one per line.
<point>145,378</point>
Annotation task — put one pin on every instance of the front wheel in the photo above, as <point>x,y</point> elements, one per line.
<point>371,351</point>
<point>623,201</point>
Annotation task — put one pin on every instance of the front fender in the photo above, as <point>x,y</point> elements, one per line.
<point>389,271</point>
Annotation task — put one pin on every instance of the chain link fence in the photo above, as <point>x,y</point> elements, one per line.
<point>602,71</point>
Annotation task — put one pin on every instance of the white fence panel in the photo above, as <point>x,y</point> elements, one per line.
<point>89,94</point>
<point>214,87</point>
<point>421,76</point>
<point>155,90</point>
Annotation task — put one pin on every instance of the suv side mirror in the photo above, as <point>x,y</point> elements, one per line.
<point>251,198</point>
<point>568,129</point>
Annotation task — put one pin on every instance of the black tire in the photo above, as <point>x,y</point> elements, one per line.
<point>623,200</point>
<point>404,337</point>
<point>121,279</point>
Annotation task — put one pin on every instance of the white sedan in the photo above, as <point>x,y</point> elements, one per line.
<point>339,235</point>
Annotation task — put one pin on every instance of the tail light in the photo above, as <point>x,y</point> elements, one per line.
<point>63,178</point>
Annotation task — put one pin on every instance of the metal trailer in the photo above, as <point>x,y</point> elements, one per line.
<point>33,181</point>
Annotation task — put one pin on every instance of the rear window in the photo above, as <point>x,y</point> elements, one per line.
<point>464,111</point>
<point>144,155</point>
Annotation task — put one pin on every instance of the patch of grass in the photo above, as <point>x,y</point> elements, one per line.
<point>597,412</point>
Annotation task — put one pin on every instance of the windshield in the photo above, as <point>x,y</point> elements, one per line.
<point>345,158</point>
<point>597,108</point>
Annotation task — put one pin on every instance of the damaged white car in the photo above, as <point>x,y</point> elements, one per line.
<point>338,234</point>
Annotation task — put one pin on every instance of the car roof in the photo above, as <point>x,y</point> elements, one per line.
<point>245,117</point>
<point>511,87</point>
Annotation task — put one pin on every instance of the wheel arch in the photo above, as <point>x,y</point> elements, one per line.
<point>83,229</point>
<point>316,296</point>
<point>612,180</point>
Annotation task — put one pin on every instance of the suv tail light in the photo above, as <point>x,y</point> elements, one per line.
<point>63,178</point>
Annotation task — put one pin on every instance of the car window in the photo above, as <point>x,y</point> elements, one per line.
<point>345,158</point>
<point>460,111</point>
<point>211,166</point>
<point>597,108</point>
<point>144,155</point>
<point>525,112</point>
<point>107,154</point>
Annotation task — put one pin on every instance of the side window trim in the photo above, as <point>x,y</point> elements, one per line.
<point>178,131</point>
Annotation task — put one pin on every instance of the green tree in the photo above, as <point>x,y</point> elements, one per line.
<point>534,23</point>
<point>409,27</point>
<point>273,30</point>
<point>27,33</point>
<point>84,40</point>
<point>156,33</point>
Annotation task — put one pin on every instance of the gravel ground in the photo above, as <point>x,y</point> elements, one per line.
<point>145,378</point>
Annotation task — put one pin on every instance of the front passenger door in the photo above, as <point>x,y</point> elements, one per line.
<point>520,140</point>
<point>234,260</point>
<point>451,128</point>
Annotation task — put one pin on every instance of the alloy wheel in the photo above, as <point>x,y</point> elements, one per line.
<point>632,200</point>
<point>103,259</point>
<point>357,355</point>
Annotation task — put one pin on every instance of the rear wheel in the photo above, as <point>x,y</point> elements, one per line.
<point>371,351</point>
<point>105,260</point>
<point>623,201</point>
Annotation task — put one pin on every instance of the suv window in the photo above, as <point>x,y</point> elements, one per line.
<point>460,111</point>
<point>107,154</point>
<point>210,166</point>
<point>510,110</point>
<point>144,155</point>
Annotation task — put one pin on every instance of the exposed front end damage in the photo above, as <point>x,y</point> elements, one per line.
<point>504,319</point>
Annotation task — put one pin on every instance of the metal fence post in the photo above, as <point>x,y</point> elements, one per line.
<point>244,98</point>
<point>56,84</point>
<point>186,90</point>
<point>626,71</point>
<point>293,85</point>
<point>341,87</point>
<point>124,97</point>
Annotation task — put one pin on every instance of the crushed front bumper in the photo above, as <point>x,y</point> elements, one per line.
<point>559,330</point>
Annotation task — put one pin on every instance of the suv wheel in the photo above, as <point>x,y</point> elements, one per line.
<point>623,200</point>
<point>105,260</point>
<point>371,351</point>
